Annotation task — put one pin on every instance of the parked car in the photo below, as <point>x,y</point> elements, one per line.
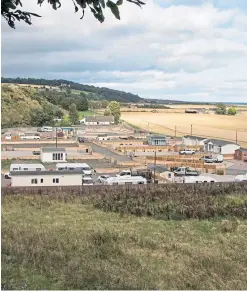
<point>187,152</point>
<point>7,175</point>
<point>101,179</point>
<point>36,153</point>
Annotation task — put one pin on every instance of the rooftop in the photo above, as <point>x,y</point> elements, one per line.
<point>219,142</point>
<point>99,118</point>
<point>53,150</point>
<point>45,173</point>
<point>195,137</point>
<point>157,136</point>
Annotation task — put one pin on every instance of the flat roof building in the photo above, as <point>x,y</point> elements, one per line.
<point>53,155</point>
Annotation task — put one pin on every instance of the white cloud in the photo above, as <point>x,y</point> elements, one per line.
<point>180,51</point>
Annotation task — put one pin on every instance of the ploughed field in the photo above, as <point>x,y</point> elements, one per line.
<point>208,125</point>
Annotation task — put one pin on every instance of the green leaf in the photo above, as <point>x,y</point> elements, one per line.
<point>114,9</point>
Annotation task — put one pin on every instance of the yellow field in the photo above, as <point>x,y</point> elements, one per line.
<point>208,125</point>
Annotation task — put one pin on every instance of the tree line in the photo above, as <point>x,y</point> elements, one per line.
<point>97,93</point>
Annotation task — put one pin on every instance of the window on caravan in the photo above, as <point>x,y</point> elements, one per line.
<point>61,156</point>
<point>55,180</point>
<point>25,169</point>
<point>34,181</point>
<point>115,183</point>
<point>41,181</point>
<point>15,169</point>
<point>128,183</point>
<point>38,169</point>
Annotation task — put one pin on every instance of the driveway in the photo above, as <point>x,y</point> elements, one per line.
<point>108,153</point>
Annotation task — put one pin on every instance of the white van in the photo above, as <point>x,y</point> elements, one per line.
<point>23,167</point>
<point>241,178</point>
<point>85,168</point>
<point>125,180</point>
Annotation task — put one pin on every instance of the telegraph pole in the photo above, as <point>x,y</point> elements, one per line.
<point>236,136</point>
<point>56,137</point>
<point>154,165</point>
<point>175,131</point>
<point>191,129</point>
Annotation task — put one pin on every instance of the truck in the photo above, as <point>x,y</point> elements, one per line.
<point>147,174</point>
<point>213,159</point>
<point>186,171</point>
<point>187,152</point>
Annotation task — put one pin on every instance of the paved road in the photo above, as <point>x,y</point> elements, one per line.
<point>107,152</point>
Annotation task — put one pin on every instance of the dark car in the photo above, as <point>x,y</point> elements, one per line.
<point>80,139</point>
<point>36,153</point>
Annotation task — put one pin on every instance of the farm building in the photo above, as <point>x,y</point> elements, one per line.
<point>218,146</point>
<point>45,178</point>
<point>97,120</point>
<point>191,140</point>
<point>241,154</point>
<point>53,155</point>
<point>158,140</point>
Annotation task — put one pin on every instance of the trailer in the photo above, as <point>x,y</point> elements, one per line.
<point>199,179</point>
<point>125,180</point>
<point>85,168</point>
<point>23,167</point>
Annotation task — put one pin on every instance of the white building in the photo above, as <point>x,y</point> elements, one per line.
<point>46,178</point>
<point>97,120</point>
<point>192,140</point>
<point>53,155</point>
<point>218,146</point>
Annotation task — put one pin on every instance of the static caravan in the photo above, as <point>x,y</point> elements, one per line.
<point>199,179</point>
<point>85,168</point>
<point>23,167</point>
<point>45,178</point>
<point>125,180</point>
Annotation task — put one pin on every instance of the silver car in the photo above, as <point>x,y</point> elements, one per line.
<point>101,179</point>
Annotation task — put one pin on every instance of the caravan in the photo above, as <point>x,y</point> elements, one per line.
<point>85,168</point>
<point>23,167</point>
<point>125,180</point>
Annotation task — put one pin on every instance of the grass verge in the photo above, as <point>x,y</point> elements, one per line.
<point>65,243</point>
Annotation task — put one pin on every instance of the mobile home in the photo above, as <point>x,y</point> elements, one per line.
<point>125,180</point>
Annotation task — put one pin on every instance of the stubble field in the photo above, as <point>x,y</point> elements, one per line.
<point>208,125</point>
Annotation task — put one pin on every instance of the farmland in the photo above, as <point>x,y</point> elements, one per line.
<point>208,125</point>
<point>63,242</point>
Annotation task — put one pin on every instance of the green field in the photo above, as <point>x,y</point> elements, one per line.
<point>63,242</point>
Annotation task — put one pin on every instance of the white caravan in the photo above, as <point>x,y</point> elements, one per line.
<point>241,178</point>
<point>125,180</point>
<point>85,168</point>
<point>29,137</point>
<point>23,167</point>
<point>199,179</point>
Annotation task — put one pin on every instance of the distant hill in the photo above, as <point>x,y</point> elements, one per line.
<point>23,106</point>
<point>92,92</point>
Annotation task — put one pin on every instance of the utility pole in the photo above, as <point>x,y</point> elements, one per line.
<point>236,136</point>
<point>154,165</point>
<point>56,137</point>
<point>191,129</point>
<point>175,131</point>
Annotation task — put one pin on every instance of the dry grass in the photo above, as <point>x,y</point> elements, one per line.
<point>49,244</point>
<point>216,126</point>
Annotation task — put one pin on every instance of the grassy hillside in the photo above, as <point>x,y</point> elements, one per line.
<point>91,91</point>
<point>19,104</point>
<point>63,242</point>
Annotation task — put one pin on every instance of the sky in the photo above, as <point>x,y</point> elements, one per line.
<point>191,50</point>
